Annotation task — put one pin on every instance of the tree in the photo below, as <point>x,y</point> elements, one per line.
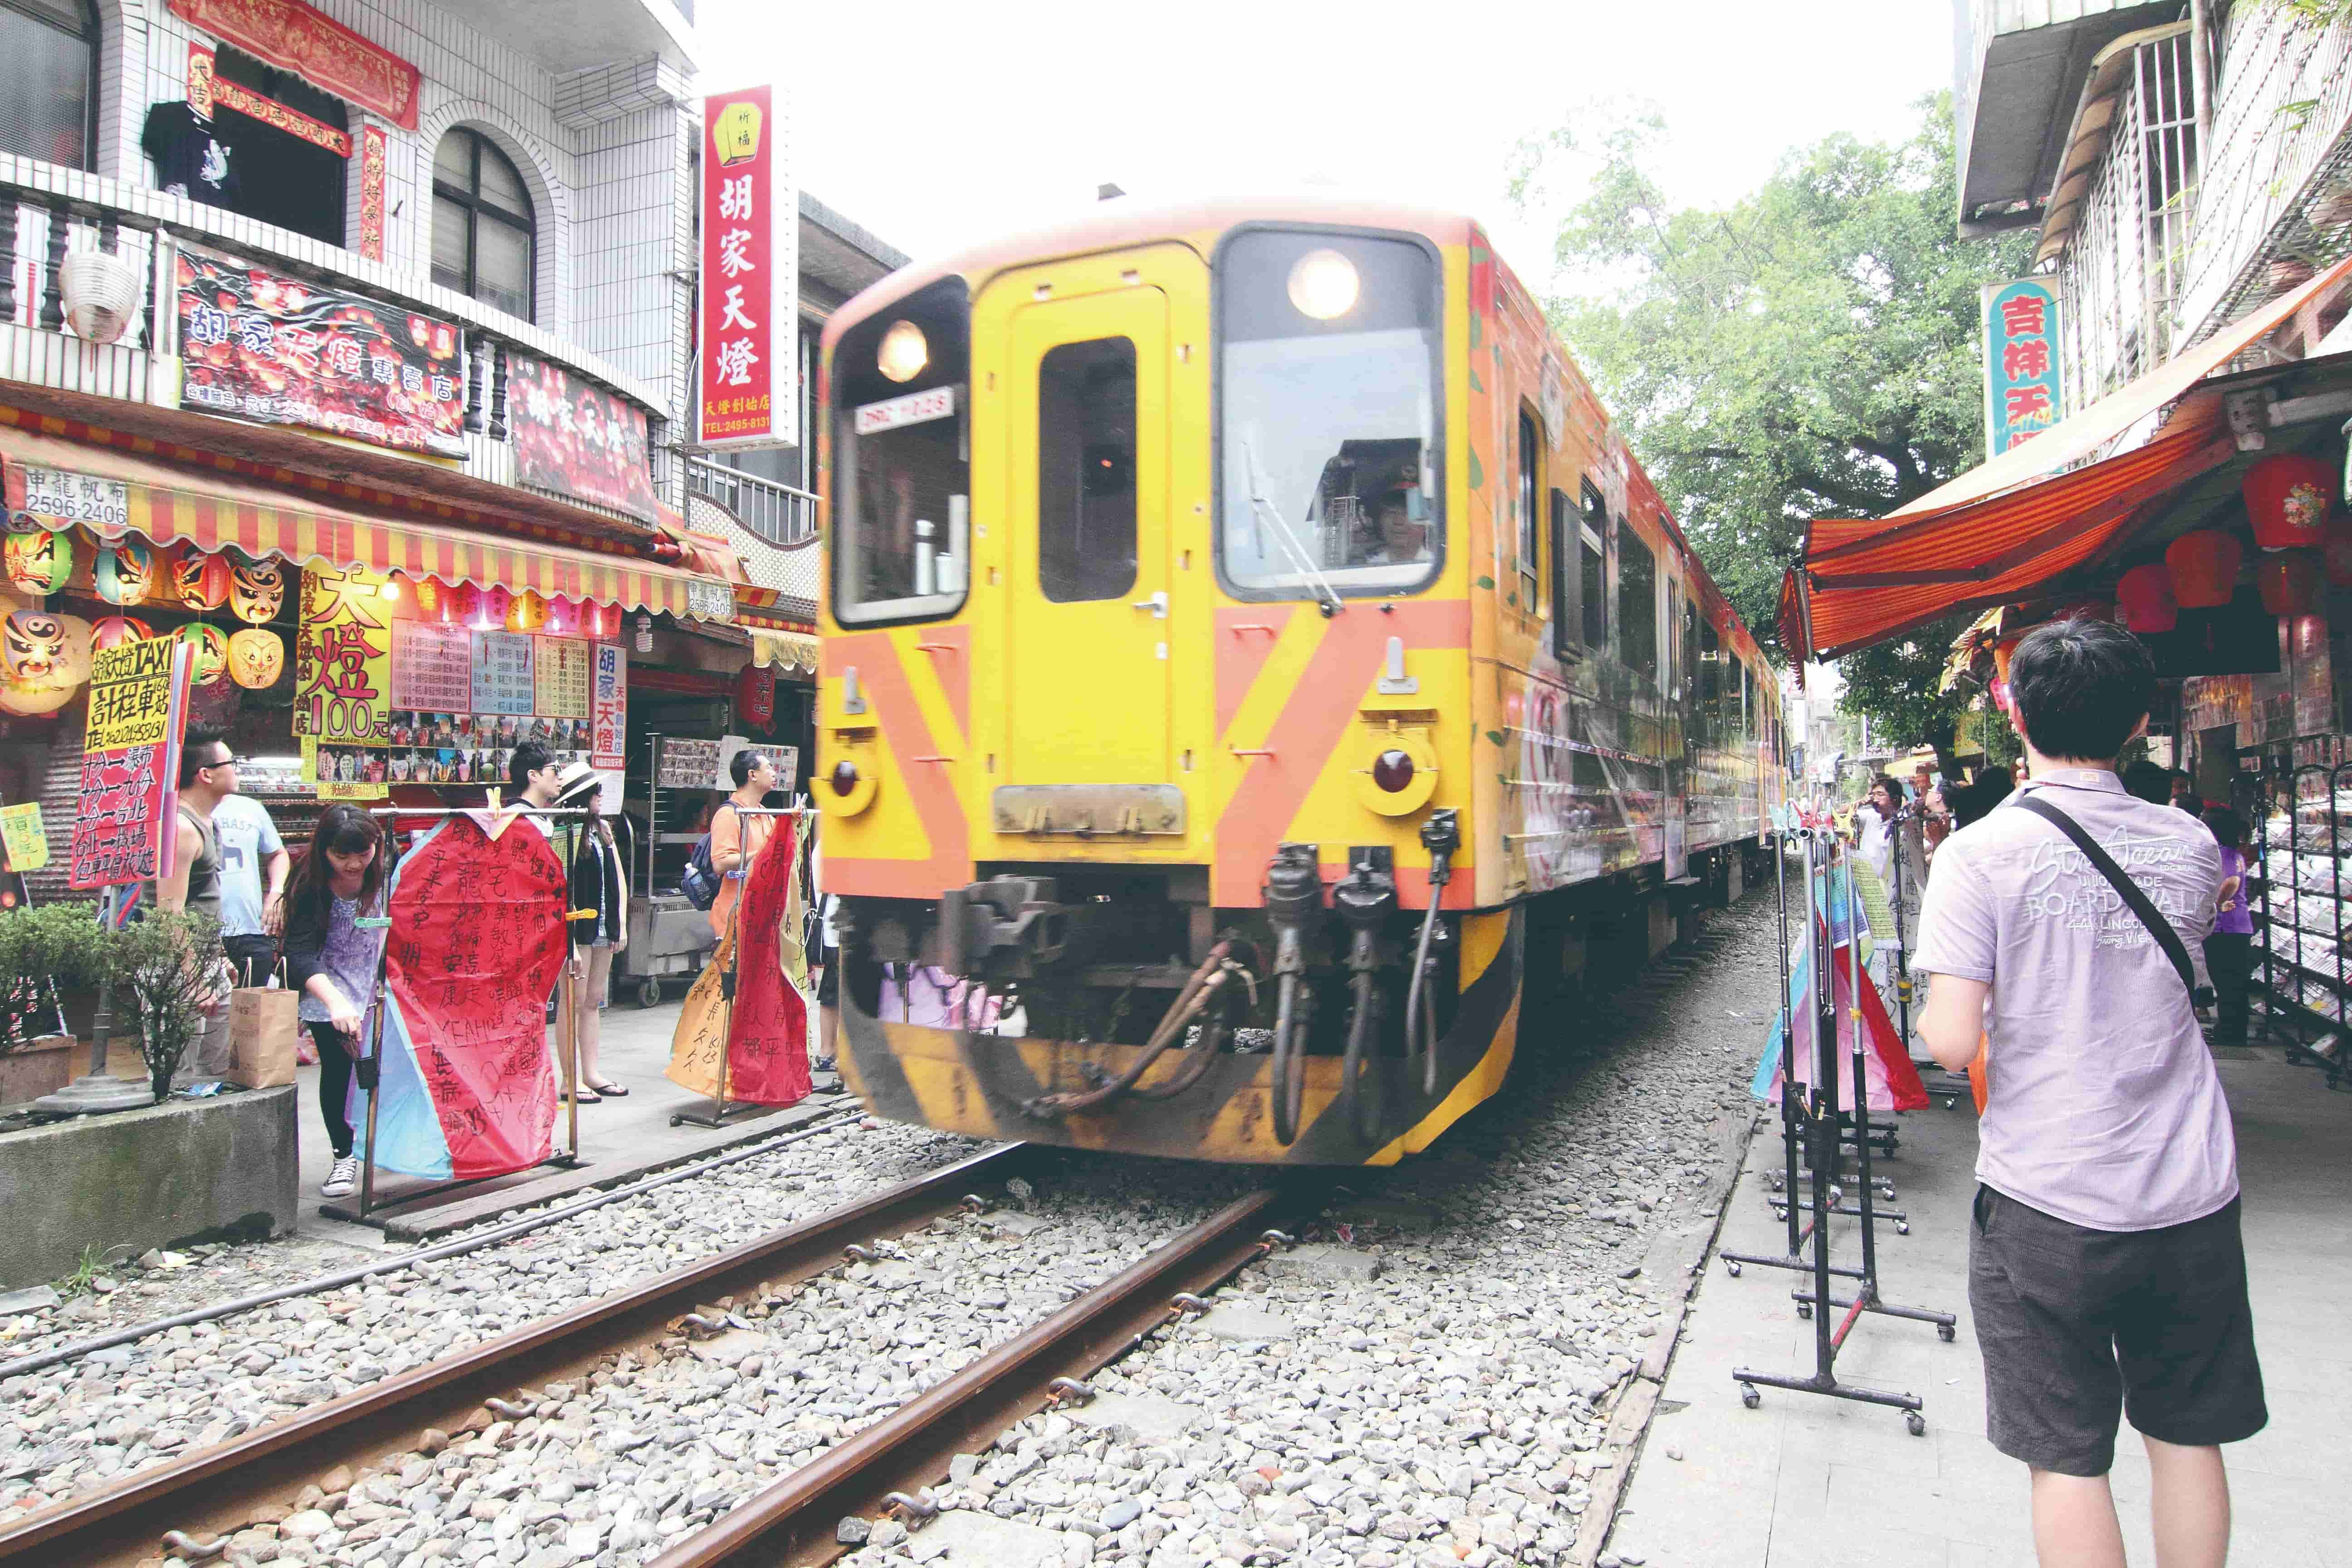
<point>1810,351</point>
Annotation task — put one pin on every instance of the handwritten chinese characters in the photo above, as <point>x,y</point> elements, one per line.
<point>2022,384</point>
<point>130,763</point>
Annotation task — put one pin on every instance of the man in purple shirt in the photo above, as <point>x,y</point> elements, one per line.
<point>2105,1270</point>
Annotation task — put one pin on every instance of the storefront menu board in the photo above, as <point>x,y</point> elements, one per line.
<point>280,351</point>
<point>463,700</point>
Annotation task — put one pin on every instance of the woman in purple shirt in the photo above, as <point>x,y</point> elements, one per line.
<point>2229,950</point>
<point>331,958</point>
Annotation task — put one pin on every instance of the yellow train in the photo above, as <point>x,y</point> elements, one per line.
<point>1257,679</point>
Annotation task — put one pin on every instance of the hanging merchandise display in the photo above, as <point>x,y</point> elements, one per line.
<point>466,1084</point>
<point>256,658</point>
<point>2144,593</point>
<point>43,661</point>
<point>2289,495</point>
<point>2291,581</point>
<point>257,590</point>
<point>39,561</point>
<point>125,572</point>
<point>2204,566</point>
<point>209,647</point>
<point>742,1035</point>
<point>116,630</point>
<point>199,580</point>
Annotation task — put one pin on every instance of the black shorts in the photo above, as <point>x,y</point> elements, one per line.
<point>2080,1326</point>
<point>828,980</point>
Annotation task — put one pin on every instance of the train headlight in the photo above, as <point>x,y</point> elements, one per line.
<point>1323,285</point>
<point>849,785</point>
<point>1400,772</point>
<point>904,352</point>
<point>845,777</point>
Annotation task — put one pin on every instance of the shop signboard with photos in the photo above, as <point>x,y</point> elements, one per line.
<point>283,351</point>
<point>464,698</point>
<point>574,438</point>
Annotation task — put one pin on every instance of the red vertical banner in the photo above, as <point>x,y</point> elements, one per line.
<point>745,394</point>
<point>131,763</point>
<point>372,156</point>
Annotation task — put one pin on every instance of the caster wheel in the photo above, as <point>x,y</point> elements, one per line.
<point>1943,1331</point>
<point>1951,1103</point>
<point>1748,1397</point>
<point>1805,1310</point>
<point>1731,1269</point>
<point>1903,1228</point>
<point>648,992</point>
<point>1917,1422</point>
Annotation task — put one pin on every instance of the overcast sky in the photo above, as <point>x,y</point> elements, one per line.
<point>936,125</point>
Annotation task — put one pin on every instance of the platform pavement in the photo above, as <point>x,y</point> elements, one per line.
<point>1821,1483</point>
<point>618,1138</point>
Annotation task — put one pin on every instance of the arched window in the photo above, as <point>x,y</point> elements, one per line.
<point>483,229</point>
<point>48,80</point>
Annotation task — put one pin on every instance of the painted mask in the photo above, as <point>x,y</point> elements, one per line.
<point>39,563</point>
<point>212,651</point>
<point>199,580</point>
<point>256,658</point>
<point>125,572</point>
<point>45,659</point>
<point>255,590</point>
<point>116,630</point>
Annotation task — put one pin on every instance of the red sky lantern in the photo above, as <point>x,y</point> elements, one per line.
<point>2145,596</point>
<point>755,697</point>
<point>465,602</point>
<point>2289,496</point>
<point>496,603</point>
<point>2290,581</point>
<point>2204,565</point>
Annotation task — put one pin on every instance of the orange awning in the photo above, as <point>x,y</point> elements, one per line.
<point>167,505</point>
<point>2008,526</point>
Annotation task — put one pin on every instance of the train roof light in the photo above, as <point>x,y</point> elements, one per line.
<point>904,352</point>
<point>1323,284</point>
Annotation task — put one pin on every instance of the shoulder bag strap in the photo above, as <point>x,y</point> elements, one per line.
<point>2149,915</point>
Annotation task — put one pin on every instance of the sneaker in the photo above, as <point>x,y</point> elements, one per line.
<point>824,1064</point>
<point>342,1180</point>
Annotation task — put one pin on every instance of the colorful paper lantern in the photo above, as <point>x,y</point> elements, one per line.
<point>431,597</point>
<point>466,601</point>
<point>257,590</point>
<point>116,630</point>
<point>256,658</point>
<point>2204,566</point>
<point>38,563</point>
<point>2291,581</point>
<point>563,617</point>
<point>2144,594</point>
<point>497,604</point>
<point>2288,496</point>
<point>526,612</point>
<point>44,660</point>
<point>200,582</point>
<point>1999,691</point>
<point>124,573</point>
<point>755,697</point>
<point>212,651</point>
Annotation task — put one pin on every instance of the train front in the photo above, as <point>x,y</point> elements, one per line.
<point>1146,722</point>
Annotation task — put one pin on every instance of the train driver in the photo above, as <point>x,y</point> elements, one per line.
<point>1403,541</point>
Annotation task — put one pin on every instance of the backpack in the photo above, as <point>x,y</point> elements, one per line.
<point>699,880</point>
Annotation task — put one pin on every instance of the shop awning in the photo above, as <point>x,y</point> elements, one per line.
<point>168,505</point>
<point>790,652</point>
<point>2008,526</point>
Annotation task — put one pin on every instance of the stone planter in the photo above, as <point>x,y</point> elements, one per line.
<point>44,1066</point>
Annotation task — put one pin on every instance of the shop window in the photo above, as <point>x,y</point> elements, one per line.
<point>1637,604</point>
<point>1592,570</point>
<point>1085,470</point>
<point>49,81</point>
<point>282,178</point>
<point>484,230</point>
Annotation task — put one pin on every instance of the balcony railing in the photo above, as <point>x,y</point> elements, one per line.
<point>782,516</point>
<point>46,212</point>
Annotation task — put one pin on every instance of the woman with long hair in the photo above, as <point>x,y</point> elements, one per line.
<point>598,883</point>
<point>331,961</point>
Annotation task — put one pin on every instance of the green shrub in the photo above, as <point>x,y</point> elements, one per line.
<point>45,951</point>
<point>167,973</point>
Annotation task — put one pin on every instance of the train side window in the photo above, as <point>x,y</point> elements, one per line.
<point>1085,470</point>
<point>1564,623</point>
<point>1710,692</point>
<point>1637,604</point>
<point>1690,660</point>
<point>1592,571</point>
<point>1530,481</point>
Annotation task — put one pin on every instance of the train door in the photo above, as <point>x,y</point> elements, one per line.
<point>1674,683</point>
<point>1090,688</point>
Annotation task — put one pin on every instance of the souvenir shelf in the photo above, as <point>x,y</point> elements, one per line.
<point>2301,883</point>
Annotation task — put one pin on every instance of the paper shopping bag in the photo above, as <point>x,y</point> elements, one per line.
<point>263,1025</point>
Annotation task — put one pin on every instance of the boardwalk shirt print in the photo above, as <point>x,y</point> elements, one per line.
<point>2106,1109</point>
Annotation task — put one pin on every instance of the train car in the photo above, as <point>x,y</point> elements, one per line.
<point>1258,681</point>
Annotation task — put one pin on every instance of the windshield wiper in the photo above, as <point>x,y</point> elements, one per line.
<point>1326,595</point>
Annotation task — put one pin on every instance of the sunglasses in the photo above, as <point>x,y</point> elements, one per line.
<point>231,761</point>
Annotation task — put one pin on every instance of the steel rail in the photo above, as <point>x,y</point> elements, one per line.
<point>213,1492</point>
<point>794,1518</point>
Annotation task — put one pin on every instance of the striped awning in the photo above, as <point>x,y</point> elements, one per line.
<point>169,505</point>
<point>758,607</point>
<point>790,652</point>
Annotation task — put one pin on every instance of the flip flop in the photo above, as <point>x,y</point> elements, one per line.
<point>610,1091</point>
<point>588,1097</point>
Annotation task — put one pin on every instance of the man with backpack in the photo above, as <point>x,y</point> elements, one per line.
<point>2106,1272</point>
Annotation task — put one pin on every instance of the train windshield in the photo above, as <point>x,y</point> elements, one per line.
<point>1332,414</point>
<point>901,466</point>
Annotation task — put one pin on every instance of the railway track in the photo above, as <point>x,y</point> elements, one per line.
<point>190,1506</point>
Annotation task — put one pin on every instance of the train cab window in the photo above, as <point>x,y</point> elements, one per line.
<point>1637,604</point>
<point>1524,508</point>
<point>1085,470</point>
<point>902,543</point>
<point>1592,570</point>
<point>1330,415</point>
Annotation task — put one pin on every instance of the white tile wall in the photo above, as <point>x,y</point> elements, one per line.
<point>603,151</point>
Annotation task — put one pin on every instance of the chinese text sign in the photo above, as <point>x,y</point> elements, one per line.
<point>131,763</point>
<point>745,391</point>
<point>2022,389</point>
<point>342,681</point>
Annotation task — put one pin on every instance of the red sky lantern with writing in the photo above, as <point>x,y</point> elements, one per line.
<point>755,697</point>
<point>2204,565</point>
<point>2145,596</point>
<point>2289,496</point>
<point>496,603</point>
<point>2290,581</point>
<point>466,601</point>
